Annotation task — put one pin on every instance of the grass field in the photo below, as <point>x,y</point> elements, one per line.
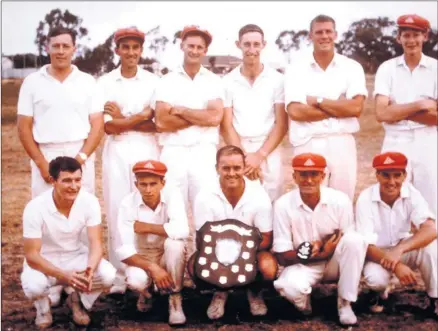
<point>117,313</point>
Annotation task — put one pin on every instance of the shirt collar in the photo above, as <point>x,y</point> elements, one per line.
<point>44,70</point>
<point>218,191</point>
<point>51,203</point>
<point>236,74</point>
<point>334,62</point>
<point>400,61</point>
<point>375,194</point>
<point>118,74</point>
<point>324,198</point>
<point>202,70</point>
<point>138,200</point>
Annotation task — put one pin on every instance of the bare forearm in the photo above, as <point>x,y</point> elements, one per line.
<point>305,113</point>
<point>138,261</point>
<point>93,139</point>
<point>396,112</point>
<point>420,239</point>
<point>230,136</point>
<point>275,137</point>
<point>37,262</point>
<point>30,146</point>
<point>202,117</point>
<point>427,118</point>
<point>146,126</point>
<point>342,108</point>
<point>171,123</point>
<point>94,256</point>
<point>266,241</point>
<point>148,228</point>
<point>119,125</point>
<point>374,254</point>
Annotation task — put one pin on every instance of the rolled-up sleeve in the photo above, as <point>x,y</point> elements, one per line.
<point>421,211</point>
<point>32,222</point>
<point>178,226</point>
<point>282,241</point>
<point>94,212</point>
<point>279,90</point>
<point>125,230</point>
<point>357,82</point>
<point>364,218</point>
<point>228,100</point>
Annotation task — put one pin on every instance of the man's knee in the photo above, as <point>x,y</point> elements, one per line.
<point>293,287</point>
<point>35,285</point>
<point>174,248</point>
<point>376,278</point>
<point>107,273</point>
<point>136,279</point>
<point>353,241</point>
<point>267,265</point>
<point>430,251</point>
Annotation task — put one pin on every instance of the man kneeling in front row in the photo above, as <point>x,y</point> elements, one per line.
<point>384,213</point>
<point>235,197</point>
<point>152,225</point>
<point>54,253</point>
<point>321,219</point>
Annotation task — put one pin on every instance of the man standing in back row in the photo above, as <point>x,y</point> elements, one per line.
<point>406,92</point>
<point>324,94</point>
<point>189,109</point>
<point>57,115</point>
<point>254,115</point>
<point>126,95</point>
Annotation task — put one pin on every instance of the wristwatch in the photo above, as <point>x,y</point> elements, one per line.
<point>319,101</point>
<point>83,156</point>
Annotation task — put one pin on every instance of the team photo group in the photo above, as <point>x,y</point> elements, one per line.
<point>193,177</point>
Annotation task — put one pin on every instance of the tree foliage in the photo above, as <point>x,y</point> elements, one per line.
<point>57,18</point>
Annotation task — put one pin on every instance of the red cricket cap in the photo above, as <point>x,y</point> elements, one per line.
<point>390,160</point>
<point>150,167</point>
<point>309,161</point>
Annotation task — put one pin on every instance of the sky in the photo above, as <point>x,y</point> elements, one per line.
<point>223,19</point>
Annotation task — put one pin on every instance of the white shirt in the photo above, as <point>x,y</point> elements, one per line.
<point>384,226</point>
<point>60,236</point>
<point>253,105</point>
<point>60,111</point>
<point>178,89</point>
<point>306,78</point>
<point>131,94</point>
<point>254,207</point>
<point>395,80</point>
<point>295,222</point>
<point>170,213</point>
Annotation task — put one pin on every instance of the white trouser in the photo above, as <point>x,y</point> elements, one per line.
<point>340,153</point>
<point>296,281</point>
<point>119,155</point>
<point>37,285</point>
<point>190,168</point>
<point>50,152</point>
<point>420,147</point>
<point>425,259</point>
<point>170,256</point>
<point>273,177</point>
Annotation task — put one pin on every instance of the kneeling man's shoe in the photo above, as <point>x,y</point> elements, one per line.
<point>43,314</point>
<point>346,314</point>
<point>217,306</point>
<point>257,304</point>
<point>176,313</point>
<point>80,315</point>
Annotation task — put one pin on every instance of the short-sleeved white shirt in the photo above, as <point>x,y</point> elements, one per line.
<point>170,213</point>
<point>178,89</point>
<point>384,226</point>
<point>306,78</point>
<point>295,222</point>
<point>60,111</point>
<point>254,207</point>
<point>60,236</point>
<point>253,105</point>
<point>131,94</point>
<point>395,80</point>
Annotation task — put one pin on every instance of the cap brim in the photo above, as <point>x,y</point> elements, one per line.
<point>309,169</point>
<point>207,38</point>
<point>389,167</point>
<point>151,172</point>
<point>413,27</point>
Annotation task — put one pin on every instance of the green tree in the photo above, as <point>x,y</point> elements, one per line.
<point>289,40</point>
<point>57,18</point>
